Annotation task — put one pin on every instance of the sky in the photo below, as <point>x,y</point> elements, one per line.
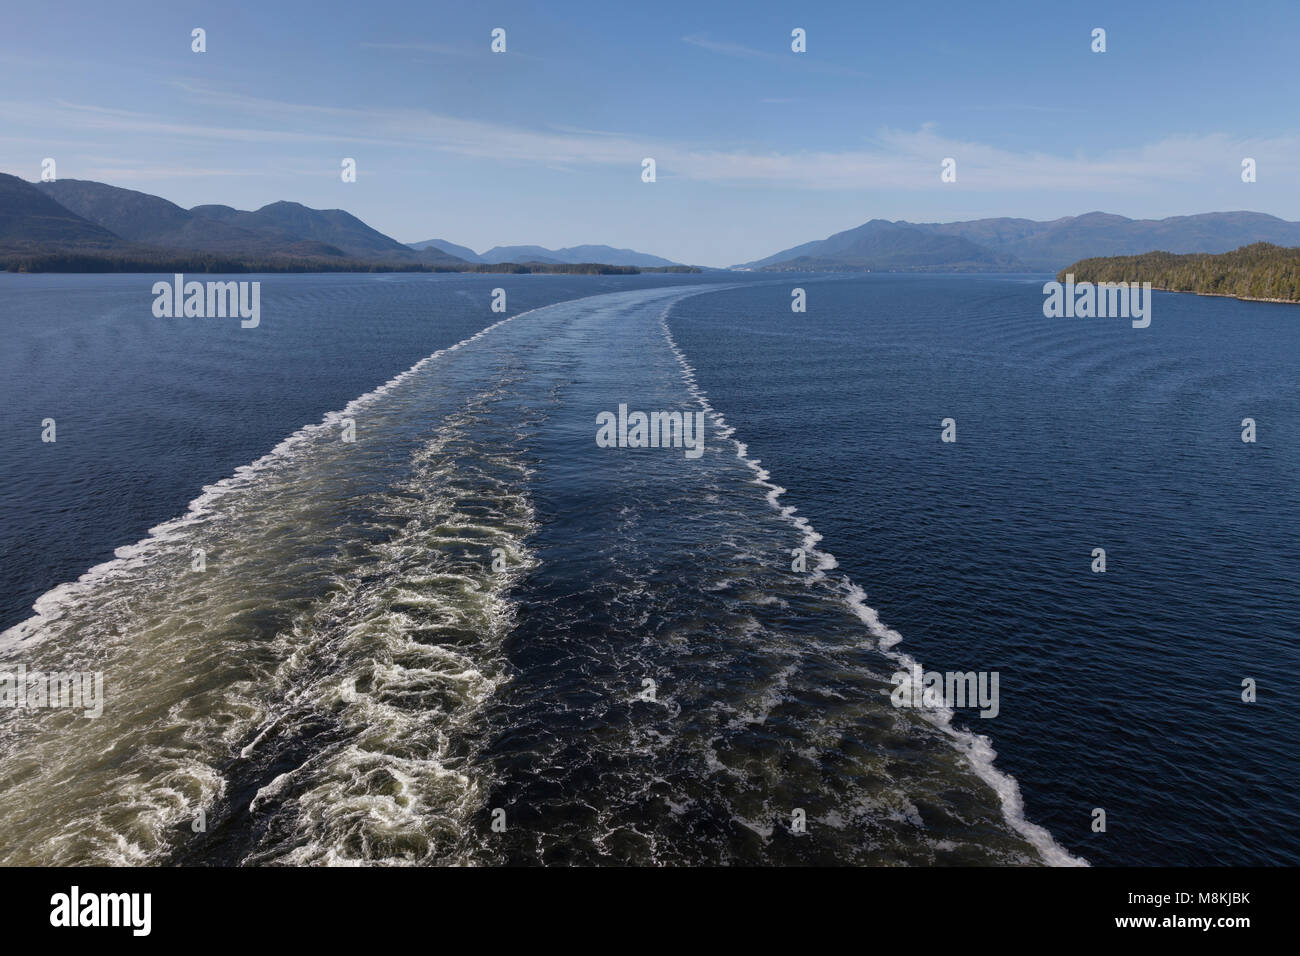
<point>756,147</point>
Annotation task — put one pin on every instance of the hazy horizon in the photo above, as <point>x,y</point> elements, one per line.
<point>757,147</point>
<point>667,255</point>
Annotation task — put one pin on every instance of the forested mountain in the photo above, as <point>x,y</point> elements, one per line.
<point>442,245</point>
<point>574,254</point>
<point>28,216</point>
<point>1258,271</point>
<point>1019,245</point>
<point>1050,245</point>
<point>279,229</point>
<point>883,246</point>
<point>79,225</point>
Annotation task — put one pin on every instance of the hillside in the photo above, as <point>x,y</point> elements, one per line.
<point>79,225</point>
<point>1018,245</point>
<point>575,254</point>
<point>276,230</point>
<point>883,246</point>
<point>1258,271</point>
<point>29,217</point>
<point>1049,245</point>
<point>442,245</point>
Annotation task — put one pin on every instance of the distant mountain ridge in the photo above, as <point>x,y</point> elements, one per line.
<point>1025,245</point>
<point>280,228</point>
<point>572,255</point>
<point>79,225</point>
<point>880,245</point>
<point>29,216</point>
<point>460,252</point>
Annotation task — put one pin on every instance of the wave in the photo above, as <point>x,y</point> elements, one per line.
<point>301,698</point>
<point>977,749</point>
<point>49,606</point>
<point>317,696</point>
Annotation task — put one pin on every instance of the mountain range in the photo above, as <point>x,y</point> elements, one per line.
<point>29,217</point>
<point>1023,245</point>
<point>79,225</point>
<point>572,254</point>
<point>88,220</point>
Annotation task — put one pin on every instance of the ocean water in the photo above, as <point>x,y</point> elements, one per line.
<point>1119,690</point>
<point>473,636</point>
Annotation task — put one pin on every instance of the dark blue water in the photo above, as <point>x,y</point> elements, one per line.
<point>401,641</point>
<point>1119,690</point>
<point>149,411</point>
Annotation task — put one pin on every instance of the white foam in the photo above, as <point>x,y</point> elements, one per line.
<point>51,605</point>
<point>976,748</point>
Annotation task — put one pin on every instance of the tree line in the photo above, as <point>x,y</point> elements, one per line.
<point>1258,271</point>
<point>69,261</point>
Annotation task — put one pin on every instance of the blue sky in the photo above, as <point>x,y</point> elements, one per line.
<point>757,148</point>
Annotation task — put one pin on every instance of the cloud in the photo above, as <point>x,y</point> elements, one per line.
<point>802,61</point>
<point>441,49</point>
<point>83,118</point>
<point>438,48</point>
<point>114,170</point>
<point>896,160</point>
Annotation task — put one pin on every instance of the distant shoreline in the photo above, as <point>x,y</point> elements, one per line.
<point>1254,273</point>
<point>1226,295</point>
<point>89,265</point>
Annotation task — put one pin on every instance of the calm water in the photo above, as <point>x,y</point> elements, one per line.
<point>472,615</point>
<point>1119,690</point>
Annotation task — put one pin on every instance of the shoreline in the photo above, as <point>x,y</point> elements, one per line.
<point>263,269</point>
<point>1225,295</point>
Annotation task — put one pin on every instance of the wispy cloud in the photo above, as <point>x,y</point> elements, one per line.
<point>115,170</point>
<point>892,159</point>
<point>438,48</point>
<point>83,118</point>
<point>1023,108</point>
<point>443,49</point>
<point>800,61</point>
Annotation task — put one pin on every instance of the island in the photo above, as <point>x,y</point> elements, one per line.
<point>1260,272</point>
